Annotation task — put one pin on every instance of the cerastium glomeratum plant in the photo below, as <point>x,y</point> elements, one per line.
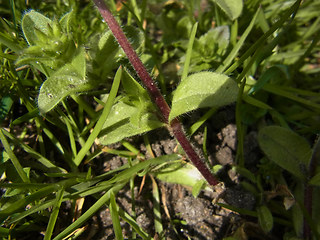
<point>154,92</point>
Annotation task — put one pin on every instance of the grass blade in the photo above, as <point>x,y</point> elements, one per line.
<point>293,9</point>
<point>92,210</point>
<point>54,215</point>
<point>189,52</point>
<point>115,217</point>
<point>239,44</point>
<point>156,207</point>
<point>13,158</point>
<point>42,160</point>
<point>102,119</point>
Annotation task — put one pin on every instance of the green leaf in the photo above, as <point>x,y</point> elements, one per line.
<point>286,148</point>
<point>220,36</point>
<point>15,161</point>
<point>104,115</point>
<point>204,89</point>
<point>132,115</point>
<point>278,71</point>
<point>189,52</point>
<point>235,50</point>
<point>136,96</point>
<point>315,180</point>
<point>115,217</point>
<point>297,213</point>
<point>79,63</point>
<point>180,173</point>
<point>141,166</point>
<point>34,20</point>
<point>54,214</point>
<point>65,21</point>
<point>255,102</point>
<point>156,207</point>
<point>5,103</point>
<point>245,173</point>
<point>67,80</point>
<point>92,210</point>
<point>265,218</point>
<point>118,125</point>
<point>197,187</point>
<point>232,8</point>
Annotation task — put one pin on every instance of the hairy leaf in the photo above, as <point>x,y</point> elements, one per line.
<point>204,89</point>
<point>180,173</point>
<point>32,21</point>
<point>232,8</point>
<point>67,80</point>
<point>118,125</point>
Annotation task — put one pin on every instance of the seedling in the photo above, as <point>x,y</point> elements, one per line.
<point>186,97</point>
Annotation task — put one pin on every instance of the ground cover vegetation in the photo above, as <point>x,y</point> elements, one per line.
<point>84,81</point>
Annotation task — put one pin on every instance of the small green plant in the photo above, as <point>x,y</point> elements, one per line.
<point>77,80</point>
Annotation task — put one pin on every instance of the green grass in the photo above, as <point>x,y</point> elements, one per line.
<point>65,79</point>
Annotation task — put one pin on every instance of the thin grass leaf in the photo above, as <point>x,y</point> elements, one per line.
<point>10,43</point>
<point>242,211</point>
<point>156,207</point>
<point>52,137</point>
<point>22,174</point>
<point>25,186</point>
<point>26,117</point>
<point>54,215</point>
<point>86,107</point>
<point>126,174</point>
<point>232,55</point>
<point>21,203</point>
<point>201,121</point>
<point>126,217</point>
<point>278,90</point>
<point>102,119</point>
<point>92,210</point>
<point>189,52</point>
<point>259,43</point>
<point>256,102</point>
<point>71,137</point>
<point>130,147</point>
<point>42,160</point>
<point>6,104</point>
<point>133,199</point>
<point>115,217</point>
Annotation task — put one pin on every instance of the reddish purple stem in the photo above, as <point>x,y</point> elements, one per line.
<point>154,92</point>
<point>134,59</point>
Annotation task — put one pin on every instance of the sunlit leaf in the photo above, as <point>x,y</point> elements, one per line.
<point>180,173</point>
<point>33,20</point>
<point>118,125</point>
<point>67,80</point>
<point>232,8</point>
<point>204,89</point>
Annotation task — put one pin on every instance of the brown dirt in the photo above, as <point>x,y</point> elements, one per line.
<point>184,216</point>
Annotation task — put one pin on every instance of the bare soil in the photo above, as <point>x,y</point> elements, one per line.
<point>183,216</point>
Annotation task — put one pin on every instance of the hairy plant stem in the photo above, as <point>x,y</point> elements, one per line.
<point>154,92</point>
